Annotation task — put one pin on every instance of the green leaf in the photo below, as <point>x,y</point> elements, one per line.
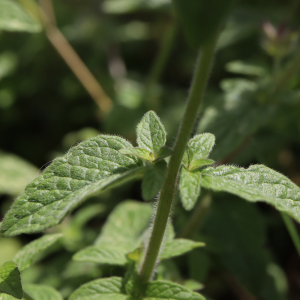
<point>104,289</point>
<point>199,163</point>
<point>163,153</point>
<point>178,247</point>
<point>132,282</point>
<point>103,255</point>
<point>41,292</point>
<point>239,232</point>
<point>16,173</point>
<point>201,19</point>
<point>153,179</point>
<point>121,234</point>
<point>139,152</point>
<point>13,17</point>
<point>29,254</point>
<point>151,134</point>
<point>160,289</point>
<point>92,166</point>
<point>189,187</point>
<point>257,183</point>
<point>241,67</point>
<point>126,225</point>
<point>10,280</point>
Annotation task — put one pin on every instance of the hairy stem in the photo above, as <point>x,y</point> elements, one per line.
<point>197,217</point>
<point>199,82</point>
<point>291,228</point>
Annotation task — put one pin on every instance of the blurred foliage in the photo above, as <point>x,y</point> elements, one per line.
<point>44,111</point>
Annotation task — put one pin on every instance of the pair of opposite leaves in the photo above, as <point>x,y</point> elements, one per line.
<point>151,138</point>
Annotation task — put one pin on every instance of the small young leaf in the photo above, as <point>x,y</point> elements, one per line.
<point>111,255</point>
<point>105,288</point>
<point>10,280</point>
<point>163,153</point>
<point>151,134</point>
<point>178,247</point>
<point>28,254</point>
<point>257,183</point>
<point>13,17</point>
<point>153,179</point>
<point>41,292</point>
<point>160,289</point>
<point>139,152</point>
<point>189,187</point>
<point>90,167</point>
<point>200,146</point>
<point>125,225</point>
<point>199,163</point>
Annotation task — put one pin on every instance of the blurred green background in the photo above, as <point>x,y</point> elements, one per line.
<point>137,51</point>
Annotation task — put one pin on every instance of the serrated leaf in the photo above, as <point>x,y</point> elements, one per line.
<point>200,146</point>
<point>125,225</point>
<point>189,187</point>
<point>15,173</point>
<point>199,163</point>
<point>104,289</point>
<point>153,179</point>
<point>103,255</point>
<point>41,292</point>
<point>151,134</point>
<point>160,289</point>
<point>139,152</point>
<point>13,17</point>
<point>29,254</point>
<point>92,166</point>
<point>163,153</point>
<point>10,280</point>
<point>201,19</point>
<point>178,247</point>
<point>257,183</point>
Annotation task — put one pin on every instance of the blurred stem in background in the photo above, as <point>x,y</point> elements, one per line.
<point>159,64</point>
<point>47,16</point>
<point>197,217</point>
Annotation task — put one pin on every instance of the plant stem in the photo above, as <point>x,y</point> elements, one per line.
<point>290,226</point>
<point>199,82</point>
<point>159,63</point>
<point>197,217</point>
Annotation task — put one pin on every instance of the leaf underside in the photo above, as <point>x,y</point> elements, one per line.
<point>257,183</point>
<point>90,167</point>
<point>10,280</point>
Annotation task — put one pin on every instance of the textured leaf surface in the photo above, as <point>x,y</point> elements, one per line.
<point>198,147</point>
<point>139,152</point>
<point>201,163</point>
<point>13,17</point>
<point>257,183</point>
<point>29,254</point>
<point>189,187</point>
<point>15,174</point>
<point>153,179</point>
<point>126,225</point>
<point>103,255</point>
<point>151,134</point>
<point>178,247</point>
<point>157,290</point>
<point>104,289</point>
<point>10,280</point>
<point>41,292</point>
<point>90,167</point>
